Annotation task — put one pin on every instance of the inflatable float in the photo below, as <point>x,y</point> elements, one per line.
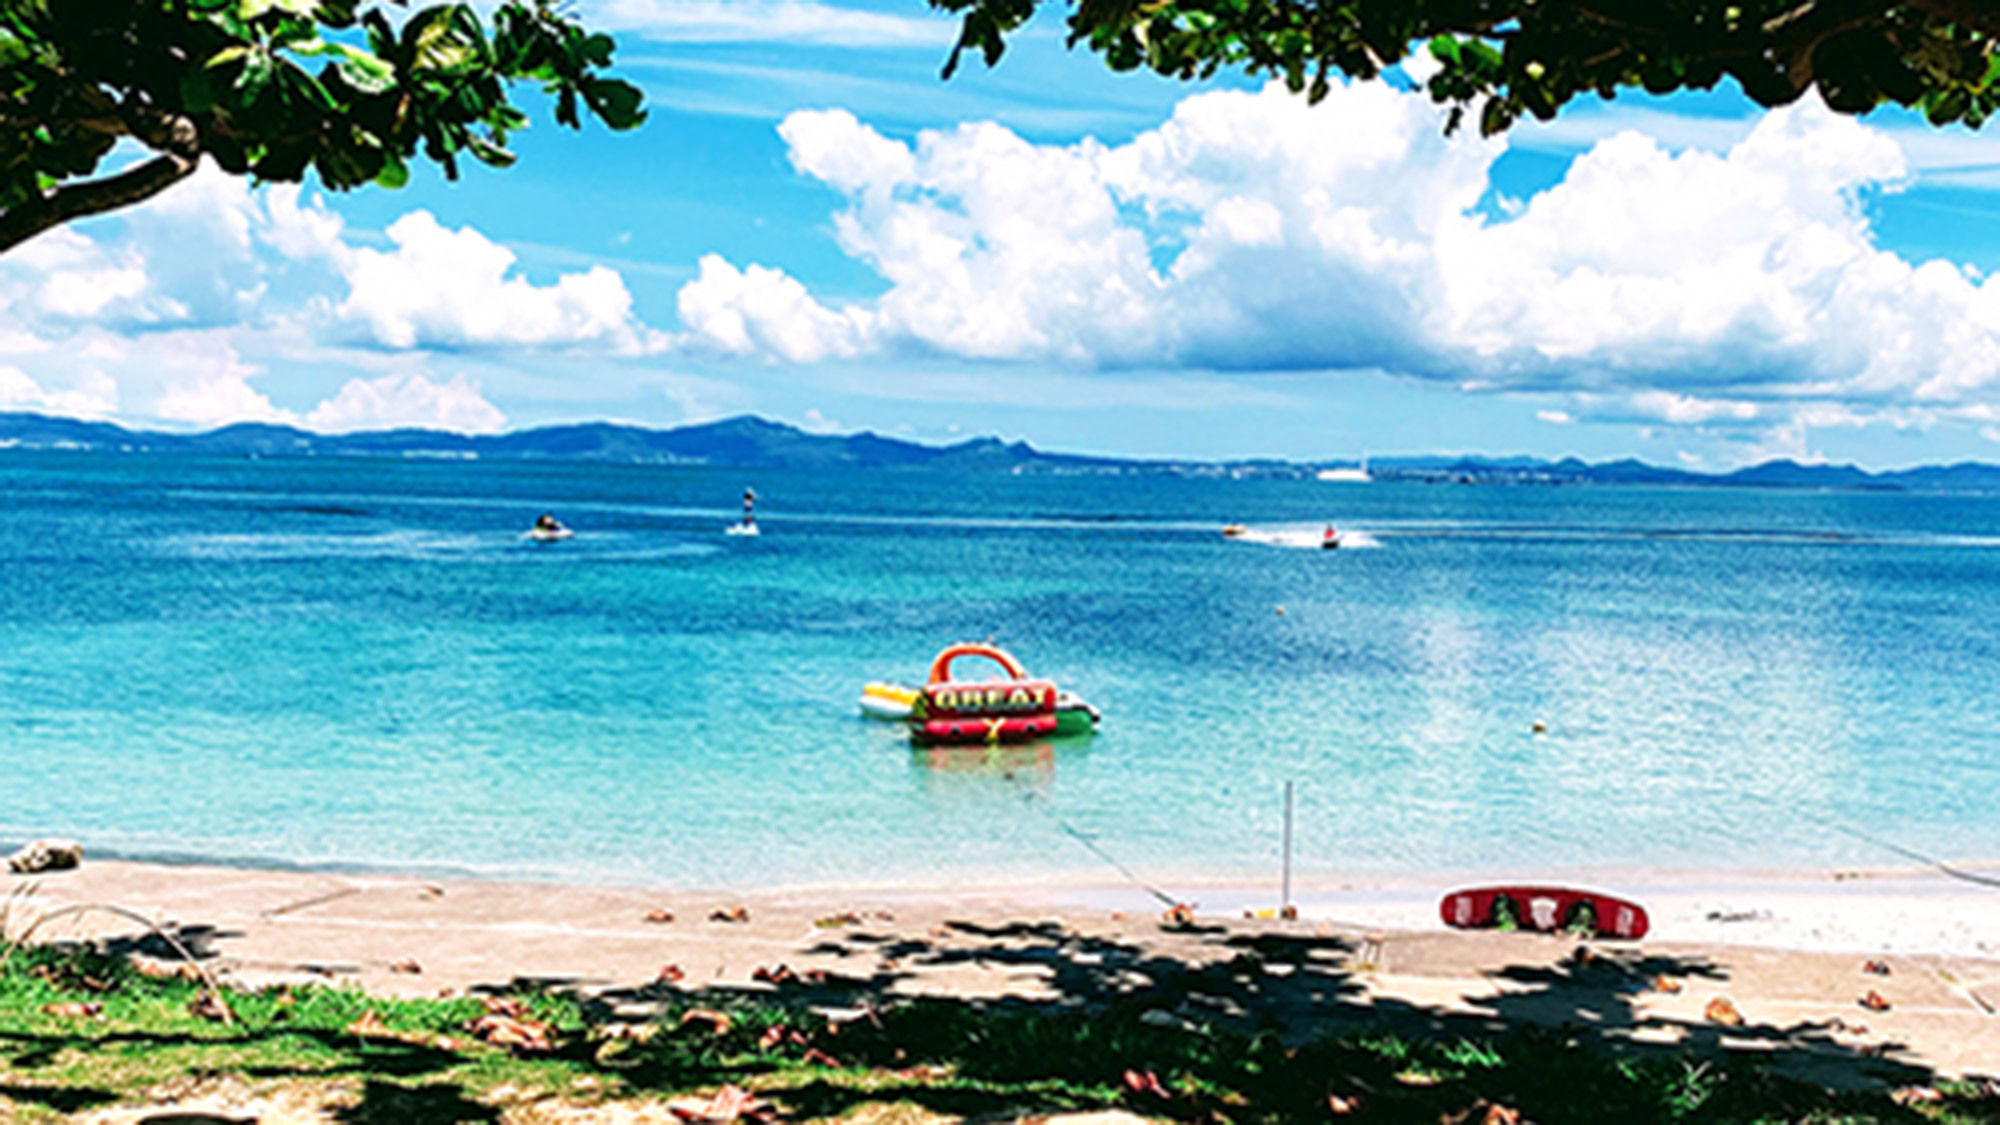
<point>949,712</point>
<point>881,700</point>
<point>1543,910</point>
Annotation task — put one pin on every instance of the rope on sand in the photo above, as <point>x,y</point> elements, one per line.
<point>1100,853</point>
<point>1930,861</point>
<point>1911,853</point>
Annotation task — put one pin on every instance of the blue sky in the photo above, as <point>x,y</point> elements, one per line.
<point>816,228</point>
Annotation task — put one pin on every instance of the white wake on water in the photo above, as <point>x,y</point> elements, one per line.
<point>1309,538</point>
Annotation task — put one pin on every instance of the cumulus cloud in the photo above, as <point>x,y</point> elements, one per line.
<point>457,288</point>
<point>200,380</point>
<point>175,311</point>
<point>407,400</point>
<point>190,376</point>
<point>1250,232</point>
<point>64,276</point>
<point>764,310</point>
<point>91,396</point>
<point>1686,410</point>
<point>209,252</point>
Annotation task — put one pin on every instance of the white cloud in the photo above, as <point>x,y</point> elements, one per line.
<point>457,288</point>
<point>1951,156</point>
<point>188,376</point>
<point>298,232</point>
<point>771,21</point>
<point>91,396</point>
<point>196,377</point>
<point>1251,232</point>
<point>1556,417</point>
<point>407,400</point>
<point>66,276</point>
<point>1580,126</point>
<point>1294,236</point>
<point>177,311</point>
<point>759,310</point>
<point>701,399</point>
<point>185,258</point>
<point>1665,406</point>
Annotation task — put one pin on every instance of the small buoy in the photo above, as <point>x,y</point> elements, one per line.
<point>1281,611</point>
<point>1541,727</point>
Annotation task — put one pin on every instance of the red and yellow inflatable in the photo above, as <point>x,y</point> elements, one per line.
<point>957,712</point>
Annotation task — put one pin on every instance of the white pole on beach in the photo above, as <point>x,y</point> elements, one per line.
<point>1285,904</point>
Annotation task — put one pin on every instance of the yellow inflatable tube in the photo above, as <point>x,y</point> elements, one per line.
<point>882,700</point>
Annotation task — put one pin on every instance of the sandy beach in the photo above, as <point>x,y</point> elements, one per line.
<point>1786,950</point>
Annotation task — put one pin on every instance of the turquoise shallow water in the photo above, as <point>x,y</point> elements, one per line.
<point>361,662</point>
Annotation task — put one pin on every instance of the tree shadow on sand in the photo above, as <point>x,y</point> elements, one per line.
<point>1264,1025</point>
<point>385,1103</point>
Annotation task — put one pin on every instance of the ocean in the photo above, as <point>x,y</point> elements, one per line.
<point>361,663</point>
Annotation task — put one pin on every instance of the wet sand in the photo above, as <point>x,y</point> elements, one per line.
<point>1787,951</point>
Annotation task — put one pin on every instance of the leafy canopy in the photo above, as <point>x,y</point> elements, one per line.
<point>1505,58</point>
<point>270,88</point>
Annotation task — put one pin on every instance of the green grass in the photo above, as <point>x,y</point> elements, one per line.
<point>919,1058</point>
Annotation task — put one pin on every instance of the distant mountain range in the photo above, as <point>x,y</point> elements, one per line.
<point>754,443</point>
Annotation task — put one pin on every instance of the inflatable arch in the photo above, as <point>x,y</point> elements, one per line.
<point>1014,709</point>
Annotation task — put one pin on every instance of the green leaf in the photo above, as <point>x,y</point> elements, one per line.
<point>229,55</point>
<point>257,9</point>
<point>394,174</point>
<point>336,13</point>
<point>390,83</point>
<point>446,40</point>
<point>594,50</point>
<point>489,153</point>
<point>615,102</point>
<point>305,89</point>
<point>256,76</point>
<point>198,91</point>
<point>1947,107</point>
<point>381,37</point>
<point>365,72</point>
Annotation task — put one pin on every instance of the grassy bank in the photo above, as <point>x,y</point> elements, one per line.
<point>82,1031</point>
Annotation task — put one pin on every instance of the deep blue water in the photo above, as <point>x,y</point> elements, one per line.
<point>360,662</point>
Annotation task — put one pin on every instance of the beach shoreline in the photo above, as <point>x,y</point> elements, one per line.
<point>1788,950</point>
<point>1909,908</point>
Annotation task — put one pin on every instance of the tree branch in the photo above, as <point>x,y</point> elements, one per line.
<point>133,185</point>
<point>1796,34</point>
<point>1966,13</point>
